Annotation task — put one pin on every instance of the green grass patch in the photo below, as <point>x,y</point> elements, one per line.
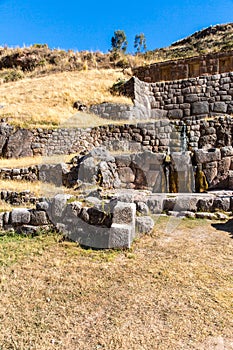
<point>15,247</point>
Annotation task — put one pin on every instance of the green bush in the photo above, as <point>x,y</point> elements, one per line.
<point>40,46</point>
<point>118,87</point>
<point>12,75</point>
<point>123,63</point>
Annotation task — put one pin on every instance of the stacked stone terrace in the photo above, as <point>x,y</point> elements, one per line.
<point>210,64</point>
<point>205,96</point>
<point>156,136</point>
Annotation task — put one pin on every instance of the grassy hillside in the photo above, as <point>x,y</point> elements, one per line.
<point>48,100</point>
<point>212,39</point>
<point>38,86</point>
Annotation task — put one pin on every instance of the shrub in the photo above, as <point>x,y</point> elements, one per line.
<point>118,87</point>
<point>13,75</point>
<point>40,46</point>
<point>85,66</point>
<point>123,63</point>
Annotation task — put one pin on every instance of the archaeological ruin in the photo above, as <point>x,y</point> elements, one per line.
<point>172,156</point>
<point>209,64</point>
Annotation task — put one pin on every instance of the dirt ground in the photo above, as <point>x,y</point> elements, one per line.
<point>172,290</point>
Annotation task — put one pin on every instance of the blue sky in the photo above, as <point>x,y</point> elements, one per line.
<point>89,25</point>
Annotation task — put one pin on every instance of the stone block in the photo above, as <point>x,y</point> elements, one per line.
<point>205,204</point>
<point>52,173</point>
<point>42,205</point>
<point>169,204</point>
<point>1,220</point>
<point>230,183</point>
<point>28,229</point>
<point>224,166</point>
<point>138,138</point>
<point>211,171</point>
<point>227,151</point>
<point>20,216</point>
<point>123,160</point>
<point>38,218</point>
<point>124,213</point>
<point>181,160</point>
<point>155,203</point>
<point>206,156</point>
<point>226,98</point>
<point>191,98</point>
<point>181,203</point>
<point>230,108</point>
<point>221,203</point>
<point>126,175</point>
<point>144,225</point>
<point>158,113</point>
<point>19,144</point>
<point>207,216</point>
<point>220,107</point>
<point>200,108</point>
<point>142,208</point>
<point>175,114</point>
<point>57,207</point>
<point>6,218</point>
<point>188,214</point>
<point>120,236</point>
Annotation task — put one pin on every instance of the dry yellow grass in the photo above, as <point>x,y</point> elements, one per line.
<point>86,120</point>
<point>39,189</point>
<point>29,161</point>
<point>48,100</point>
<point>171,291</point>
<point>20,186</point>
<point>4,206</point>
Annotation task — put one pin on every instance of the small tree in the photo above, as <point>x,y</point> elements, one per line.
<point>140,43</point>
<point>119,41</point>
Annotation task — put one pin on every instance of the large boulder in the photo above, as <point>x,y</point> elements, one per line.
<point>98,167</point>
<point>5,131</point>
<point>19,144</point>
<point>53,173</point>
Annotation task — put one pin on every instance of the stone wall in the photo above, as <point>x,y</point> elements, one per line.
<point>157,172</point>
<point>18,198</point>
<point>30,173</point>
<point>92,226</point>
<point>145,170</point>
<point>180,172</point>
<point>112,223</point>
<point>25,220</point>
<point>217,165</point>
<point>157,136</point>
<point>116,111</point>
<point>210,64</point>
<point>201,97</point>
